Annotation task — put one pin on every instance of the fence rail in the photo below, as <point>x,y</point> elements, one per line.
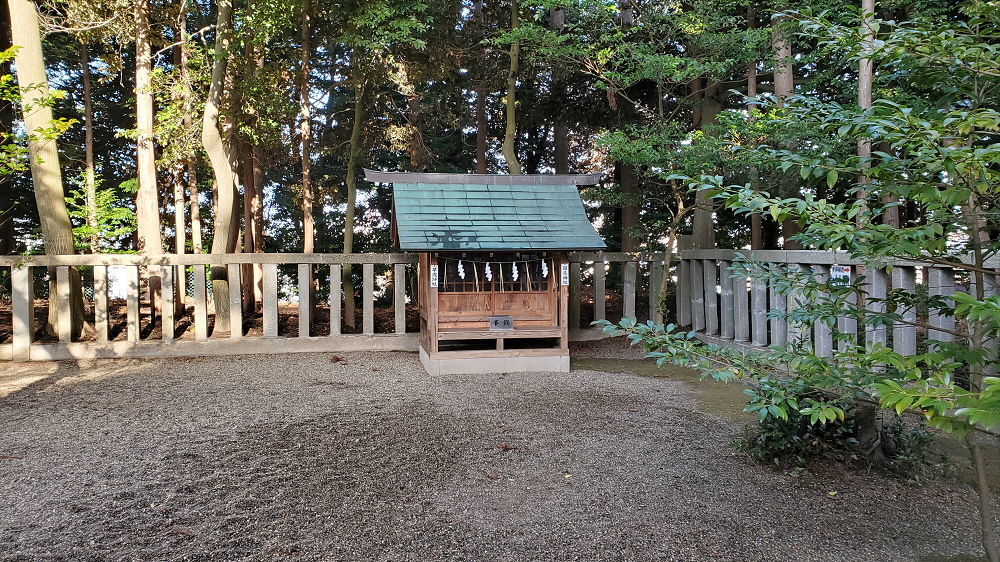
<point>138,322</point>
<point>735,310</point>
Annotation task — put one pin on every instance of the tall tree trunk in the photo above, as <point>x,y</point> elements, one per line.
<point>57,230</point>
<point>708,107</point>
<point>482,130</point>
<point>177,181</point>
<point>352,195</point>
<point>560,132</point>
<point>191,162</point>
<point>89,175</point>
<point>7,114</point>
<point>482,124</point>
<point>147,207</point>
<point>784,86</point>
<point>222,164</point>
<point>305,132</point>
<point>756,219</point>
<point>629,182</point>
<point>509,147</point>
<point>865,79</point>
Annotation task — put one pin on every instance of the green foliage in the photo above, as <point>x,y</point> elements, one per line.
<point>114,222</point>
<point>14,156</point>
<point>797,425</point>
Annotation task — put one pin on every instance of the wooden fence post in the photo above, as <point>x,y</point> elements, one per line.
<point>779,305</point>
<point>878,290</point>
<point>270,300</point>
<point>711,273</point>
<point>683,292</point>
<point>655,280</point>
<point>169,295</point>
<point>904,335</point>
<point>741,309</point>
<point>600,291</point>
<point>101,302</point>
<point>399,296</point>
<point>728,300</point>
<point>697,295</point>
<point>132,302</point>
<point>236,288</point>
<point>940,283</point>
<point>823,343</point>
<point>200,302</point>
<point>629,304</point>
<point>61,300</point>
<point>368,306</point>
<point>305,302</point>
<point>758,311</point>
<point>23,305</point>
<point>336,277</point>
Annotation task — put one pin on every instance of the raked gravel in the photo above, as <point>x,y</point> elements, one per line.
<point>368,458</point>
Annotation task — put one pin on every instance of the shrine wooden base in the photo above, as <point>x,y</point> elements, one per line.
<point>492,361</point>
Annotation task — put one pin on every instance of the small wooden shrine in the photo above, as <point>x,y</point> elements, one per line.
<point>493,275</point>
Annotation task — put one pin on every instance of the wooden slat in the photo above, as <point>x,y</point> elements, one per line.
<point>462,334</point>
<point>629,289</point>
<point>235,275</point>
<point>23,305</point>
<point>200,302</point>
<point>878,286</point>
<point>600,291</point>
<point>697,296</point>
<point>368,302</point>
<point>847,326</point>
<point>305,304</point>
<point>270,300</point>
<point>683,293</point>
<point>167,319</point>
<point>795,331</point>
<point>132,301</point>
<point>758,311</point>
<point>710,270</point>
<point>399,296</point>
<point>778,304</point>
<point>64,314</point>
<point>574,296</point>
<point>336,296</point>
<point>727,314</point>
<point>940,283</point>
<point>655,281</point>
<point>741,309</point>
<point>904,336</point>
<point>822,333</point>
<point>101,302</point>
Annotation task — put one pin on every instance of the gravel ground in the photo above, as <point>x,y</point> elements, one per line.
<point>365,457</point>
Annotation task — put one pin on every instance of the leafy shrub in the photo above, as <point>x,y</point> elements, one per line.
<point>785,437</point>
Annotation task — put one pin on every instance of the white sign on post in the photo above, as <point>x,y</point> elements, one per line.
<point>564,275</point>
<point>840,274</point>
<point>434,276</point>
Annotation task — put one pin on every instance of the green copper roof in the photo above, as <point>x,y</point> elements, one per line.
<point>490,212</point>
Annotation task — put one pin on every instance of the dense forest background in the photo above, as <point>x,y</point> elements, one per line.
<point>308,93</point>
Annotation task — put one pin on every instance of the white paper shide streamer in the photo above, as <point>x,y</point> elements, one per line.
<point>461,270</point>
<point>513,274</point>
<point>545,269</point>
<point>489,272</point>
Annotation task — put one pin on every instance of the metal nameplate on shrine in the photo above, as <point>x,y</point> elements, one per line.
<point>501,323</point>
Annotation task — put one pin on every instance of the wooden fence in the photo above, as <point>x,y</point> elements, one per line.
<point>735,310</point>
<point>187,327</point>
